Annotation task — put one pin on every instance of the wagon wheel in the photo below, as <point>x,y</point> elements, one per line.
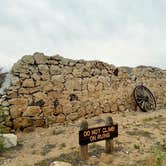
<point>144,98</point>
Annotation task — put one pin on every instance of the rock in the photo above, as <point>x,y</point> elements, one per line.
<point>40,58</point>
<point>15,81</point>
<point>5,103</point>
<point>60,118</point>
<point>10,140</point>
<point>64,61</point>
<point>121,108</point>
<point>20,67</point>
<point>60,163</point>
<point>16,111</point>
<point>73,116</point>
<point>43,68</point>
<point>58,109</point>
<point>48,87</point>
<point>19,101</point>
<point>39,96</point>
<point>48,111</point>
<point>107,108</point>
<point>74,84</point>
<point>57,78</point>
<point>39,122</point>
<point>106,158</point>
<point>22,122</point>
<point>32,111</point>
<point>35,76</point>
<point>28,83</point>
<point>45,76</point>
<point>55,70</point>
<point>23,75</point>
<point>29,129</point>
<point>28,59</point>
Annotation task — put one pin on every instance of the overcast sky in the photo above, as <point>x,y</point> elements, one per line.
<point>119,32</point>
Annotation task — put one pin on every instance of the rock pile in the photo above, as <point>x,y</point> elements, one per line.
<point>46,90</point>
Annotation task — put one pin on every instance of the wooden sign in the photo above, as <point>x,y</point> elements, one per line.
<point>97,134</point>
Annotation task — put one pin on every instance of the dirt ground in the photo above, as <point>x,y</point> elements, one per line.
<point>141,141</point>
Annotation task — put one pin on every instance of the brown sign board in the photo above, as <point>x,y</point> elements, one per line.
<point>97,134</point>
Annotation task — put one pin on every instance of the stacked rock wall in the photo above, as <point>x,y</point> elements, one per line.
<point>46,90</point>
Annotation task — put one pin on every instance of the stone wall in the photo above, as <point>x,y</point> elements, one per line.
<point>46,90</point>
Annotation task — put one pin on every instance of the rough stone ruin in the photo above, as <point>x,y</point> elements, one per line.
<point>46,90</point>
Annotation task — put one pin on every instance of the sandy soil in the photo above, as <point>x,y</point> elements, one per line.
<point>141,141</point>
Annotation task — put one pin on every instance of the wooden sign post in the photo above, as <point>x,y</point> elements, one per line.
<point>84,148</point>
<point>109,145</point>
<point>89,135</point>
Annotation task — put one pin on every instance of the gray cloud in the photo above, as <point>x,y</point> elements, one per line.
<point>115,31</point>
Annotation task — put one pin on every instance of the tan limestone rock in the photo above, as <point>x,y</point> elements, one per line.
<point>15,81</point>
<point>73,116</point>
<point>24,76</point>
<point>60,118</point>
<point>40,58</point>
<point>43,68</point>
<point>28,83</point>
<point>22,122</point>
<point>20,67</point>
<point>57,78</point>
<point>35,76</point>
<point>74,84</point>
<point>32,111</point>
<point>48,87</point>
<point>48,111</point>
<point>28,59</point>
<point>16,111</point>
<point>58,109</point>
<point>39,122</point>
<point>45,76</point>
<point>55,70</point>
<point>19,101</point>
<point>39,95</point>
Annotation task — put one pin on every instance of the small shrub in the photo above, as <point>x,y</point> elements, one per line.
<point>159,156</point>
<point>136,146</point>
<point>1,144</point>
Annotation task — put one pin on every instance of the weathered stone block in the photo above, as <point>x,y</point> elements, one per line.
<point>73,116</point>
<point>32,111</point>
<point>22,122</point>
<point>28,83</point>
<point>28,59</point>
<point>74,84</point>
<point>60,118</point>
<point>48,87</point>
<point>15,81</point>
<point>40,58</point>
<point>55,70</point>
<point>48,111</point>
<point>39,122</point>
<point>43,68</point>
<point>57,78</point>
<point>19,101</point>
<point>16,111</point>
